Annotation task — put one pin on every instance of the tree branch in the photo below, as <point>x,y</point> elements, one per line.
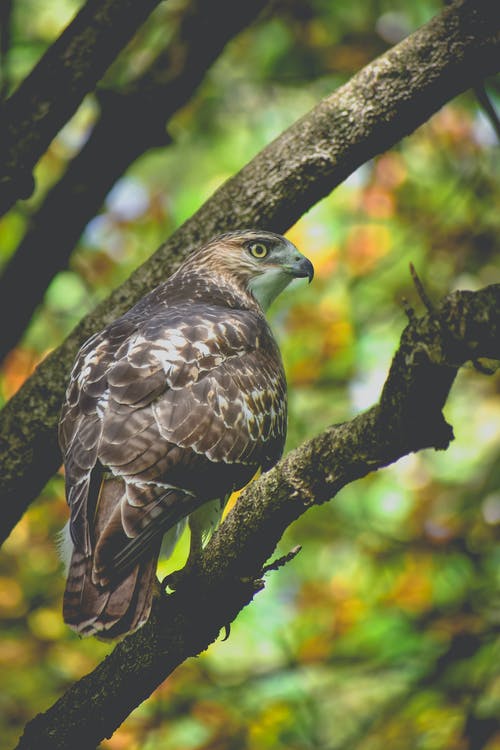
<point>54,89</point>
<point>383,102</point>
<point>407,418</point>
<point>145,105</point>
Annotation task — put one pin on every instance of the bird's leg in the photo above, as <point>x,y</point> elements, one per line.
<point>172,580</point>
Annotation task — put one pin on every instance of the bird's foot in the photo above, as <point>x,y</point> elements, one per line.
<point>173,580</point>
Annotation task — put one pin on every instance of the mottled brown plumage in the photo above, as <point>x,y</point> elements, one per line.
<point>169,409</point>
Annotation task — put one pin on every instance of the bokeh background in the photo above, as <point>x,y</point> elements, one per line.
<point>384,631</point>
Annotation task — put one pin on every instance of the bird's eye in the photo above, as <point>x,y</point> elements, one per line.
<point>258,249</point>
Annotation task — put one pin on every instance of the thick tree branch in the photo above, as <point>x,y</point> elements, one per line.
<point>382,103</point>
<point>54,89</point>
<point>146,105</point>
<point>407,418</point>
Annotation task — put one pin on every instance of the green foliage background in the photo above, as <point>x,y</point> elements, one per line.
<point>384,630</point>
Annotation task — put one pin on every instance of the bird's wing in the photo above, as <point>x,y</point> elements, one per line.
<point>188,405</point>
<point>80,425</point>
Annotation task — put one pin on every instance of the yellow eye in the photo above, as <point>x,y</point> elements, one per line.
<point>258,249</point>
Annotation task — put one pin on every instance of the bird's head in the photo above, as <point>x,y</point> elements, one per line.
<point>264,263</point>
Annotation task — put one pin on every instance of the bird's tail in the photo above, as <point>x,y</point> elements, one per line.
<point>123,605</point>
<point>110,612</point>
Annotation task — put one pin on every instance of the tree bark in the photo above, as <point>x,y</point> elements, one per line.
<point>145,105</point>
<point>54,89</point>
<point>385,101</point>
<point>408,417</point>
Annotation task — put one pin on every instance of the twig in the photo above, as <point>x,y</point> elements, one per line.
<point>281,561</point>
<point>421,291</point>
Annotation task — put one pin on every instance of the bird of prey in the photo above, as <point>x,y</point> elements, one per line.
<point>169,409</point>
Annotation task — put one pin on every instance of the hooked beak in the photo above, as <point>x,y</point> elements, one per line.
<point>301,268</point>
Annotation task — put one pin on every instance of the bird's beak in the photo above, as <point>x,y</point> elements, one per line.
<point>301,268</point>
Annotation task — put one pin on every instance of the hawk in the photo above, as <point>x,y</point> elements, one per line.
<point>169,409</point>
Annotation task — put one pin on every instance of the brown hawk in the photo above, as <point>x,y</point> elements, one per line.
<point>169,409</point>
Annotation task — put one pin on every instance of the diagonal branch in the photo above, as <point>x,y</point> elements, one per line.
<point>145,105</point>
<point>385,101</point>
<point>407,418</point>
<point>54,89</point>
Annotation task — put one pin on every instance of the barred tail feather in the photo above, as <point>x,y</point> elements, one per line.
<point>108,613</point>
<point>119,606</point>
